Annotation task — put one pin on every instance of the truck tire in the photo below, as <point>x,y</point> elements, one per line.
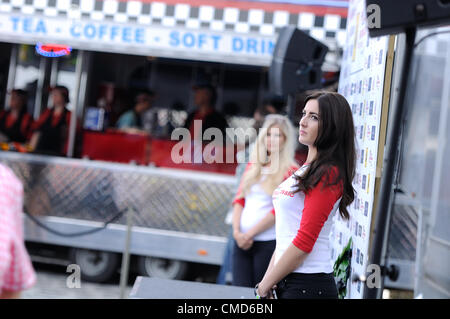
<point>95,265</point>
<point>162,267</point>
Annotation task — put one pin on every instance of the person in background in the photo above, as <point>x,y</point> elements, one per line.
<point>275,102</point>
<point>225,272</point>
<point>131,120</point>
<point>306,203</point>
<point>51,131</point>
<point>205,97</point>
<point>271,162</point>
<point>16,270</point>
<point>15,123</point>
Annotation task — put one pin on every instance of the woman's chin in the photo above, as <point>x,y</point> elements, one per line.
<point>302,141</point>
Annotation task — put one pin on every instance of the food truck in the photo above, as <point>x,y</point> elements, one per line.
<point>104,51</point>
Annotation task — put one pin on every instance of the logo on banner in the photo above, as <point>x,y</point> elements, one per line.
<point>356,206</point>
<point>371,108</point>
<point>52,50</point>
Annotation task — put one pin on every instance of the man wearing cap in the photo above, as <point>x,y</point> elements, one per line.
<point>205,97</point>
<point>15,123</point>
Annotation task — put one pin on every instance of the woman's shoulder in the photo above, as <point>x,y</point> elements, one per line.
<point>47,111</point>
<point>331,176</point>
<point>331,170</point>
<point>44,115</point>
<point>293,167</point>
<point>26,115</point>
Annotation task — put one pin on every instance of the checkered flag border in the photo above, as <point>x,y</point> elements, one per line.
<point>328,28</point>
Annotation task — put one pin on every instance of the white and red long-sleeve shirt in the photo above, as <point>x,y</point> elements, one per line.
<point>305,220</point>
<point>16,270</point>
<point>257,203</point>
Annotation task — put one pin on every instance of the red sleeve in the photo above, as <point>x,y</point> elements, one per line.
<point>238,198</point>
<point>318,204</point>
<point>289,172</point>
<point>40,121</point>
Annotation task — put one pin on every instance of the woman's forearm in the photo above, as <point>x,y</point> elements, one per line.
<point>288,262</point>
<point>242,240</point>
<point>34,140</point>
<point>236,218</point>
<point>264,224</point>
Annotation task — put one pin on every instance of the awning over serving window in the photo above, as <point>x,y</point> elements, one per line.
<point>242,32</point>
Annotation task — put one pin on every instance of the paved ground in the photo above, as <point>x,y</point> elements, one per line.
<point>52,284</point>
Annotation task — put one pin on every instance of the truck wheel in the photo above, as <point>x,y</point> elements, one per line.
<point>95,265</point>
<point>162,268</point>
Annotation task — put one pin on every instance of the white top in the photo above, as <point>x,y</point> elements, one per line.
<point>288,213</point>
<point>257,204</point>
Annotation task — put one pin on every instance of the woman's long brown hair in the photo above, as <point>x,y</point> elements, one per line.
<point>335,145</point>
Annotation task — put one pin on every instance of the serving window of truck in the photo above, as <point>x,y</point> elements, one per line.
<point>118,49</point>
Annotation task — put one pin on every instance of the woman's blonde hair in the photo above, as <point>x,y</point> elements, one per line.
<point>279,162</point>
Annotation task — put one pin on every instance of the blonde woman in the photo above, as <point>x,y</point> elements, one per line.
<point>271,162</point>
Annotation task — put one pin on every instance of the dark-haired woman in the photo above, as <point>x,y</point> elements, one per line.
<point>50,131</point>
<point>15,123</point>
<point>305,204</point>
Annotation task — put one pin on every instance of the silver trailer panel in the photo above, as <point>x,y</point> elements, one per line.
<point>178,214</point>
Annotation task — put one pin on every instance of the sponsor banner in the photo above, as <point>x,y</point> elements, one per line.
<point>362,83</point>
<point>139,39</point>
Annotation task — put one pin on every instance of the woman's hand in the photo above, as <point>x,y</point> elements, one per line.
<point>264,292</point>
<point>243,241</point>
<point>34,141</point>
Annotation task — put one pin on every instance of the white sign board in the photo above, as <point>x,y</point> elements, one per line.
<point>362,83</point>
<point>139,39</point>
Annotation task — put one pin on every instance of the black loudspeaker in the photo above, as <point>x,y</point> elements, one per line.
<point>296,62</point>
<point>394,16</point>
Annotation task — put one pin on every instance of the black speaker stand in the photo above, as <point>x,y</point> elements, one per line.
<point>290,108</point>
